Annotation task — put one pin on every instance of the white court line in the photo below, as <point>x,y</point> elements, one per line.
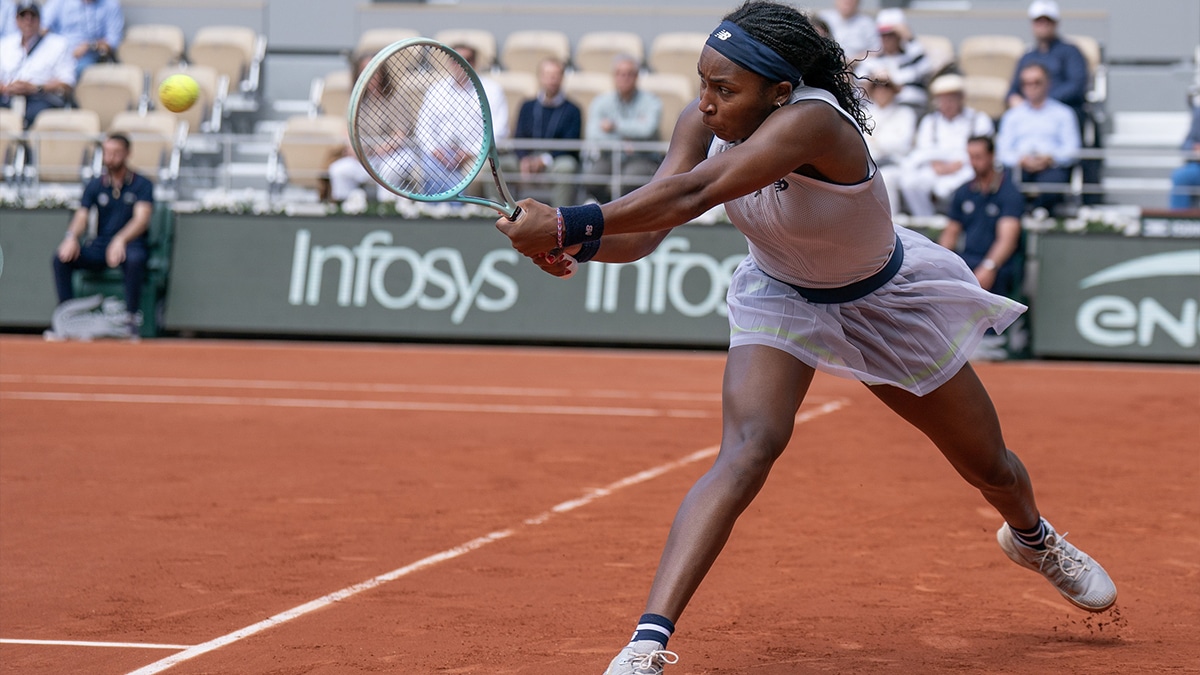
<point>449,554</point>
<point>342,404</point>
<point>81,643</point>
<point>388,387</point>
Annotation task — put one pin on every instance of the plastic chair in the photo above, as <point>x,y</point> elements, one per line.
<point>330,94</point>
<point>63,145</point>
<point>374,39</point>
<point>304,149</point>
<point>939,49</point>
<point>156,143</point>
<point>675,92</point>
<point>12,146</point>
<point>990,55</point>
<point>525,49</point>
<point>110,88</point>
<point>236,52</point>
<point>677,53</point>
<point>518,87</point>
<point>582,86</point>
<point>596,50</point>
<point>205,115</point>
<point>482,40</point>
<point>986,93</point>
<point>151,47</point>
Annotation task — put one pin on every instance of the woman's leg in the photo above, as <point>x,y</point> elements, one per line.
<point>763,389</point>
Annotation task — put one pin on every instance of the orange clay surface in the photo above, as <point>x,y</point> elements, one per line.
<point>419,509</point>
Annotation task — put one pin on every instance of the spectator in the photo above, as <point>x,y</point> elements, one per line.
<point>35,65</point>
<point>853,30</point>
<point>8,18</point>
<point>549,115</point>
<point>892,137</point>
<point>93,28</point>
<point>985,212</point>
<point>1039,137</point>
<point>346,173</point>
<point>901,57</point>
<point>1185,181</point>
<point>938,163</point>
<point>124,201</point>
<point>624,114</point>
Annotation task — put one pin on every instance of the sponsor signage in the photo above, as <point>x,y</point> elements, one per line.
<point>451,279</point>
<point>28,240</point>
<point>1117,297</point>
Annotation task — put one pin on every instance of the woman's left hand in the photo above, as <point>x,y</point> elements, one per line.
<point>535,231</point>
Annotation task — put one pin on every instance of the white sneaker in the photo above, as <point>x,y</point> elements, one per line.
<point>1081,580</point>
<point>644,657</point>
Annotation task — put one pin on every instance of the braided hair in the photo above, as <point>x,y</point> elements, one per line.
<point>791,34</point>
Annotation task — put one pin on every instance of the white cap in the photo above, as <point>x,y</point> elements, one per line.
<point>890,19</point>
<point>947,84</point>
<point>1043,8</point>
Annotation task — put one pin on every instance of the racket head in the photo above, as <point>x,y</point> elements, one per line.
<point>421,126</point>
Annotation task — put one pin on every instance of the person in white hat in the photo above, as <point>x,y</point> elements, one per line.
<point>901,57</point>
<point>938,163</point>
<point>891,139</point>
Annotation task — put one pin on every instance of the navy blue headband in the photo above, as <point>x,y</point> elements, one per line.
<point>735,44</point>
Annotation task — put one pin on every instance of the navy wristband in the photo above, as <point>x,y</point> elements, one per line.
<point>587,251</point>
<point>581,223</point>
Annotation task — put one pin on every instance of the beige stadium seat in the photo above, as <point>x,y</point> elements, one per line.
<point>518,87</point>
<point>11,149</point>
<point>990,55</point>
<point>156,142</point>
<point>374,39</point>
<point>304,149</point>
<point>110,88</point>
<point>525,49</point>
<point>939,49</point>
<point>482,40</point>
<point>331,94</point>
<point>581,87</point>
<point>63,144</point>
<point>986,93</point>
<point>233,51</point>
<point>205,115</point>
<point>596,50</point>
<point>677,53</point>
<point>151,47</point>
<point>675,91</point>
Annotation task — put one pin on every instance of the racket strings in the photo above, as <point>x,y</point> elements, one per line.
<point>421,123</point>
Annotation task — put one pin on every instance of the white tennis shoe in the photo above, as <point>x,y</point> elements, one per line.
<point>644,657</point>
<point>1081,580</point>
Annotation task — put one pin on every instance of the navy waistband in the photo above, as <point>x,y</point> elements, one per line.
<point>858,289</point>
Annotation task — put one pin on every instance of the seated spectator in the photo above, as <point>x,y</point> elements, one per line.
<point>346,173</point>
<point>852,29</point>
<point>1040,138</point>
<point>624,114</point>
<point>938,163</point>
<point>891,138</point>
<point>549,115</point>
<point>93,28</point>
<point>901,57</point>
<point>35,65</point>
<point>1185,181</point>
<point>986,213</point>
<point>124,202</point>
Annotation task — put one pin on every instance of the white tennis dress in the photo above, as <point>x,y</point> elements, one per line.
<point>915,331</point>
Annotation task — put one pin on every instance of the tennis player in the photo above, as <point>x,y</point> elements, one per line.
<point>830,284</point>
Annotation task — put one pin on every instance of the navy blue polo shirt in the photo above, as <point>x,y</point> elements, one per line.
<point>979,212</point>
<point>114,203</point>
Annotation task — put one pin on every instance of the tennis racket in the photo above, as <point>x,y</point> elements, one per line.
<point>421,125</point>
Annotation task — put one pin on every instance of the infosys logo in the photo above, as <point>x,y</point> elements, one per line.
<point>1117,321</point>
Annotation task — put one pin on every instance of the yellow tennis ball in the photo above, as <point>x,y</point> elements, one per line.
<point>178,92</point>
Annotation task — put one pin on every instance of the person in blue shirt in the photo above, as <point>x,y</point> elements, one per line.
<point>124,202</point>
<point>1185,180</point>
<point>985,213</point>
<point>1040,138</point>
<point>8,17</point>
<point>92,27</point>
<point>549,115</point>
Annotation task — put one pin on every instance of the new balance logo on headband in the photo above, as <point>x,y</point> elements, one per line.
<point>722,35</point>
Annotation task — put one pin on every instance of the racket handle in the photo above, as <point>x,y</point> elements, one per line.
<point>516,214</point>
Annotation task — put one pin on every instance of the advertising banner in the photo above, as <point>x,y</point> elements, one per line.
<point>28,240</point>
<point>1117,297</point>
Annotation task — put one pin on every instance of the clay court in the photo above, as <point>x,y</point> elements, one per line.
<point>190,507</point>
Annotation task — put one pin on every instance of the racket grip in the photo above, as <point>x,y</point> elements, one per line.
<point>516,214</point>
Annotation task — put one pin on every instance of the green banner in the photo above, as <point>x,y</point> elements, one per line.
<point>28,240</point>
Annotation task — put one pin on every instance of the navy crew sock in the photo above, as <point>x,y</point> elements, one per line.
<point>1035,538</point>
<point>654,627</point>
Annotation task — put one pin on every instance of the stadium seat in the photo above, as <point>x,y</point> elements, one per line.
<point>525,49</point>
<point>235,52</point>
<point>304,149</point>
<point>990,55</point>
<point>939,49</point>
<point>156,144</point>
<point>677,53</point>
<point>110,88</point>
<point>330,94</point>
<point>151,47</point>
<point>675,91</point>
<point>374,39</point>
<point>518,87</point>
<point>986,93</point>
<point>63,143</point>
<point>1097,72</point>
<point>582,86</point>
<point>205,115</point>
<point>482,40</point>
<point>12,146</point>
<point>596,50</point>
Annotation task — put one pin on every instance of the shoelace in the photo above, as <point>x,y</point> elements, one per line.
<point>1057,554</point>
<point>650,660</point>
